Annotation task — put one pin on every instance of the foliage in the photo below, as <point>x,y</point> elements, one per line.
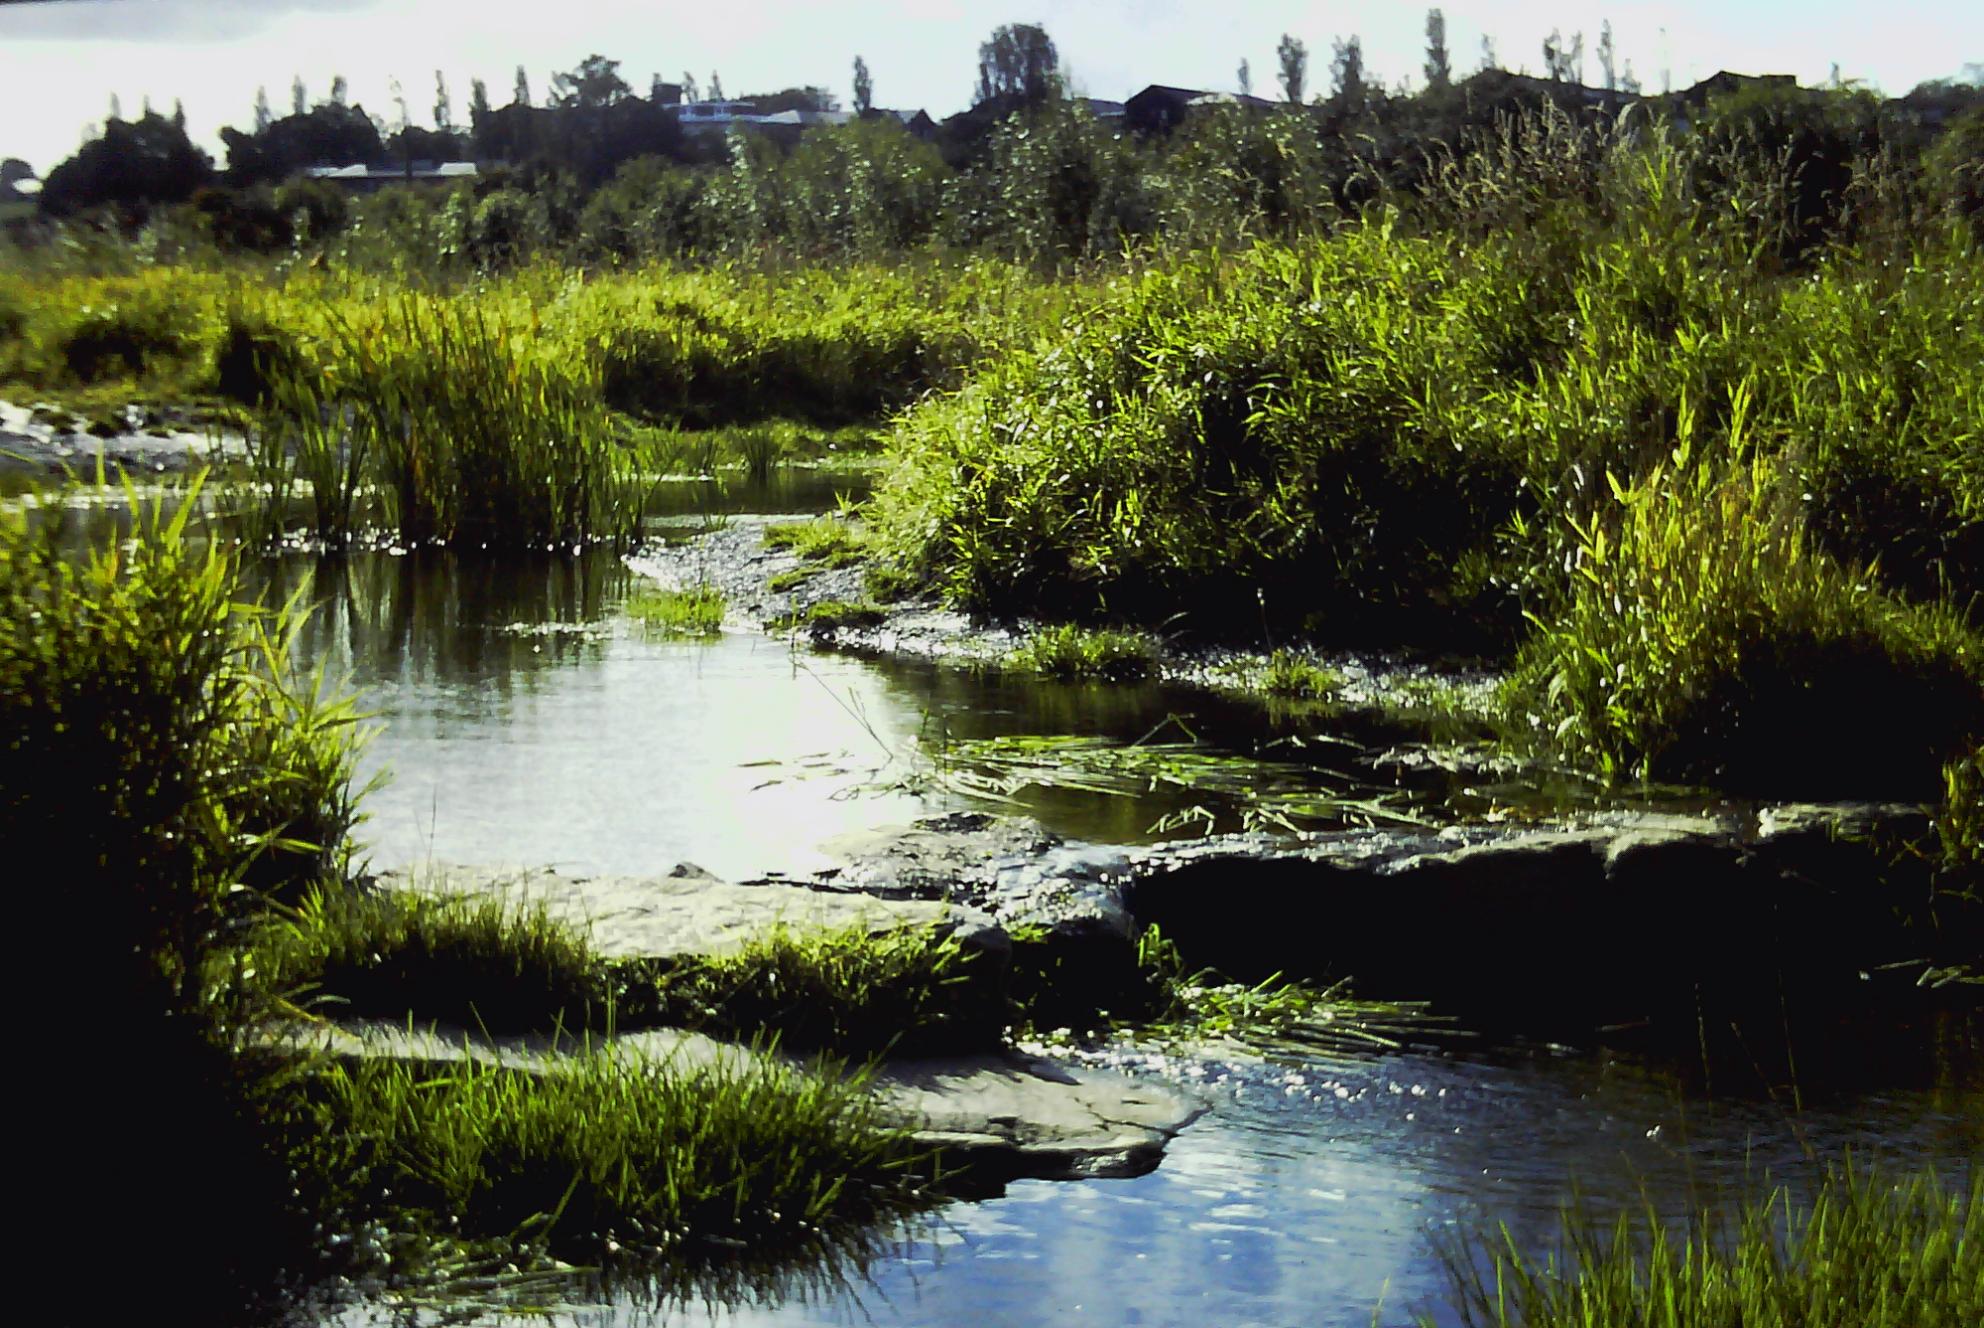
<point>1069,651</point>
<point>824,540</point>
<point>858,990</point>
<point>134,166</point>
<point>1867,1248</point>
<point>694,612</point>
<point>1706,640</point>
<point>609,1154</point>
<point>1273,1015</point>
<point>160,755</point>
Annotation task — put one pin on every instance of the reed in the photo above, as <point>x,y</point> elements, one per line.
<point>1868,1248</point>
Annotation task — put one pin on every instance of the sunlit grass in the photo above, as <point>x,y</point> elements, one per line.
<point>696,612</point>
<point>1067,651</point>
<point>1872,1249</point>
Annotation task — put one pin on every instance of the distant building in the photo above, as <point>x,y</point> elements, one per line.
<point>715,117</point>
<point>917,122</point>
<point>1101,109</point>
<point>363,179</point>
<point>1159,108</point>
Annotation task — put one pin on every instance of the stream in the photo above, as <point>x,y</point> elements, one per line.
<point>523,717</point>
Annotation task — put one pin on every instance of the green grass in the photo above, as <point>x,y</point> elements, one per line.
<point>832,615</point>
<point>826,541</point>
<point>1708,640</point>
<point>1229,791</point>
<point>793,579</point>
<point>854,990</point>
<point>697,612</point>
<point>1295,676</point>
<point>474,962</point>
<point>610,1158</point>
<point>1068,652</point>
<point>1870,1249</point>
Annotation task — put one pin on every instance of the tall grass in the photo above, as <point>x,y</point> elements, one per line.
<point>462,429</point>
<point>1707,639</point>
<point>1869,1249</point>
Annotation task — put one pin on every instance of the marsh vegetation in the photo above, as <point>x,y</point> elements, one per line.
<point>1673,435</point>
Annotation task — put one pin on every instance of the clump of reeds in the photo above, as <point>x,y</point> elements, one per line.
<point>471,961</point>
<point>1870,1249</point>
<point>1706,639</point>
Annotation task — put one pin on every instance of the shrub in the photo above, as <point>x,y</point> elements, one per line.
<point>158,753</point>
<point>1706,640</point>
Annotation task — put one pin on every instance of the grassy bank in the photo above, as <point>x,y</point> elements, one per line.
<point>1605,432</point>
<point>1868,1249</point>
<point>195,798</point>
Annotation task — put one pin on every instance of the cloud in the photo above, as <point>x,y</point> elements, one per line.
<point>154,20</point>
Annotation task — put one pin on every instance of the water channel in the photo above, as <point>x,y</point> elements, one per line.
<point>524,718</point>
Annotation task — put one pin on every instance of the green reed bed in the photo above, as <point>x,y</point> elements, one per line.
<point>1871,1248</point>
<point>1708,640</point>
<point>460,429</point>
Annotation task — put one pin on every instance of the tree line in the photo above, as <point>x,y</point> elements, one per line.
<point>600,171</point>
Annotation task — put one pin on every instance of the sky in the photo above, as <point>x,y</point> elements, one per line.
<point>62,60</point>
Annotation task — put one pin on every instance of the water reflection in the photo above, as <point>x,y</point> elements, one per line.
<point>1316,1192</point>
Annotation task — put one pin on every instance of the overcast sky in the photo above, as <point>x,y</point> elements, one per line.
<point>60,60</point>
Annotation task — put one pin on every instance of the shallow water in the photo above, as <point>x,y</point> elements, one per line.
<point>524,718</point>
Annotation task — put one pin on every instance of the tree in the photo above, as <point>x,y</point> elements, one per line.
<point>339,90</point>
<point>716,86</point>
<point>1605,55</point>
<point>133,165</point>
<point>521,96</point>
<point>1489,59</point>
<point>1017,66</point>
<point>864,87</point>
<point>263,115</point>
<point>116,107</point>
<point>444,105</point>
<point>1439,69</point>
<point>478,101</point>
<point>595,83</point>
<point>1564,64</point>
<point>1629,82</point>
<point>1347,74</point>
<point>690,92</point>
<point>1294,66</point>
<point>299,97</point>
<point>179,115</point>
<point>1246,80</point>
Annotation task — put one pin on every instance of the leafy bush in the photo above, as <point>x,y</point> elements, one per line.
<point>158,753</point>
<point>1706,640</point>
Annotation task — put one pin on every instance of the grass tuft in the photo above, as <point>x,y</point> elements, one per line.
<point>475,962</point>
<point>1867,1250</point>
<point>1066,651</point>
<point>697,612</point>
<point>852,990</point>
